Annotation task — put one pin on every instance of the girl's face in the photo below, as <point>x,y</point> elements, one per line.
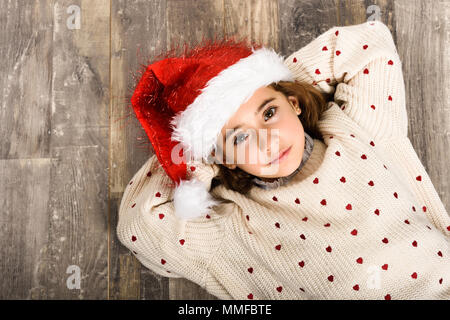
<point>265,127</point>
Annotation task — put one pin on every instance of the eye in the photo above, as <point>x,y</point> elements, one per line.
<point>236,138</point>
<point>271,113</point>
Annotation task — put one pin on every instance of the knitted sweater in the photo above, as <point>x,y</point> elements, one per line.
<point>360,220</point>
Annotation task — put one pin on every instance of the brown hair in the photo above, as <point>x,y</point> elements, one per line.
<point>312,103</point>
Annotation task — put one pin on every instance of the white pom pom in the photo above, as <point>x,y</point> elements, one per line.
<point>192,199</point>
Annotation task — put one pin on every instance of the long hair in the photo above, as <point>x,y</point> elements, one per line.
<point>312,102</point>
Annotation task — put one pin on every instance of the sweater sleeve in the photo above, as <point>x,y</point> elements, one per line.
<point>361,66</point>
<point>147,226</point>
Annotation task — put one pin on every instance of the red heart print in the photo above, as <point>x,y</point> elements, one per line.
<point>439,253</point>
<point>181,241</point>
<point>356,287</point>
<point>419,178</point>
<point>372,143</point>
<point>384,266</point>
<point>279,289</point>
<point>366,71</point>
<point>133,205</point>
<point>305,219</point>
<point>385,240</point>
<point>294,60</point>
<point>297,201</point>
<point>317,71</point>
<point>163,261</point>
<point>330,278</point>
<point>396,195</point>
<point>390,98</point>
<point>316,181</point>
<point>377,212</point>
<point>354,232</point>
<point>448,228</point>
<point>250,296</point>
<point>348,207</point>
<point>192,168</point>
<point>328,249</point>
<point>149,174</point>
<point>364,157</point>
<point>352,135</point>
<point>278,247</point>
<point>414,275</point>
<point>387,297</point>
<point>338,52</point>
<point>365,46</point>
<point>324,48</point>
<point>208,216</point>
<point>133,238</point>
<point>247,217</point>
<point>373,107</point>
<point>274,198</point>
<point>414,243</point>
<point>301,264</point>
<point>359,260</point>
<point>277,225</point>
<point>337,32</point>
<point>250,270</point>
<point>158,194</point>
<point>342,179</point>
<point>326,225</point>
<point>406,221</point>
<point>161,215</point>
<point>323,202</point>
<point>338,153</point>
<point>303,236</point>
<point>328,80</point>
<point>440,281</point>
<point>424,209</point>
<point>390,62</point>
<point>371,183</point>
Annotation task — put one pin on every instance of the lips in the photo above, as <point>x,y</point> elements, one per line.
<point>280,155</point>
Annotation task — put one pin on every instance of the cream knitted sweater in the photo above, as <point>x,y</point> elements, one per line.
<point>361,220</point>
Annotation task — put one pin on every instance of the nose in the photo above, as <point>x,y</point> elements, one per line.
<point>268,142</point>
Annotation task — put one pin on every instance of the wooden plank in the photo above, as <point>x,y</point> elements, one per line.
<point>25,84</point>
<point>56,93</point>
<point>138,32</point>
<point>423,41</point>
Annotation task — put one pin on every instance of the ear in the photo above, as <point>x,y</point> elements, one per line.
<point>295,105</point>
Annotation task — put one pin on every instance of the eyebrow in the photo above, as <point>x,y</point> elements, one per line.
<point>230,132</point>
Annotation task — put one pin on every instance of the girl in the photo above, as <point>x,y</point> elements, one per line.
<point>337,204</point>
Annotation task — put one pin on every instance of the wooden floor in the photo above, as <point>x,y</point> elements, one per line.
<point>69,142</point>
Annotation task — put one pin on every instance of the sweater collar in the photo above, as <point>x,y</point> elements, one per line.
<point>309,145</point>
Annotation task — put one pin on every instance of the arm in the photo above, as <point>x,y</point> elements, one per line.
<point>360,64</point>
<point>160,241</point>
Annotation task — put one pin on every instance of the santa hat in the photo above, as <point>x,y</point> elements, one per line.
<point>183,102</point>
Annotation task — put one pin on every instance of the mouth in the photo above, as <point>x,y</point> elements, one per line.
<point>283,155</point>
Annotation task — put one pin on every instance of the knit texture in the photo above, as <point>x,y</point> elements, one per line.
<point>360,220</point>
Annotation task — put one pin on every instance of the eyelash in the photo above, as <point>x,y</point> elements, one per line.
<point>273,113</point>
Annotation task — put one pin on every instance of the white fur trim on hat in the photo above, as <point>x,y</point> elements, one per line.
<point>199,125</point>
<point>192,199</point>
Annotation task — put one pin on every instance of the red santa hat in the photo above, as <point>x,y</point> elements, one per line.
<point>183,103</point>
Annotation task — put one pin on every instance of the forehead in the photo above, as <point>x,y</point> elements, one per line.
<point>250,106</point>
